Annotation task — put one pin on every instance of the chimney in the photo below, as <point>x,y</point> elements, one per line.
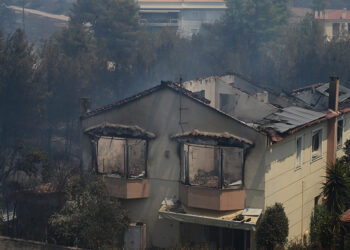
<point>333,93</point>
<point>85,105</point>
<point>333,121</point>
<point>343,14</point>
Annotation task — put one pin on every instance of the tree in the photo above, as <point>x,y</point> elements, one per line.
<point>258,20</point>
<point>20,93</point>
<point>302,48</point>
<point>336,192</point>
<point>272,228</point>
<point>90,218</point>
<point>114,24</point>
<point>336,188</point>
<point>320,5</point>
<point>20,166</point>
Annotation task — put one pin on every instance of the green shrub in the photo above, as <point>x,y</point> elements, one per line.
<point>272,228</point>
<point>321,228</point>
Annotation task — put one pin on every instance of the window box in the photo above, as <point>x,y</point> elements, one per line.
<point>127,188</point>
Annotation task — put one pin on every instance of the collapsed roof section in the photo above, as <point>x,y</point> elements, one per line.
<point>276,114</point>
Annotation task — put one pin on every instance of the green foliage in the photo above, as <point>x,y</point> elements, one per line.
<point>321,228</point>
<point>257,20</point>
<point>90,218</point>
<point>20,95</point>
<point>114,24</point>
<point>272,228</point>
<point>20,168</point>
<point>320,5</point>
<point>336,188</point>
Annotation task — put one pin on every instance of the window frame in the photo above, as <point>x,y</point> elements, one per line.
<point>299,165</point>
<point>340,146</point>
<point>126,156</point>
<point>315,131</point>
<point>185,168</point>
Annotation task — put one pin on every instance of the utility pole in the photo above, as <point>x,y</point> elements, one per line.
<point>23,26</point>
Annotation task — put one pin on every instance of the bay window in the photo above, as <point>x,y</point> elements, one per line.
<point>212,166</point>
<point>122,157</point>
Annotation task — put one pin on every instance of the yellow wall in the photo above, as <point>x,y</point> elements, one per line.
<point>297,189</point>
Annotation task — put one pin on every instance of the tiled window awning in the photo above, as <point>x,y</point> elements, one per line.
<point>119,130</point>
<point>210,138</point>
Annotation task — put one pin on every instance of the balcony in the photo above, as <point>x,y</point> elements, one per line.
<point>127,188</point>
<point>212,198</point>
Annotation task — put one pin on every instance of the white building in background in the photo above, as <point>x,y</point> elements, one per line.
<point>335,22</point>
<point>186,16</point>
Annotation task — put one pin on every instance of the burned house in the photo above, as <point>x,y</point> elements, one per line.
<point>197,163</point>
<point>166,148</point>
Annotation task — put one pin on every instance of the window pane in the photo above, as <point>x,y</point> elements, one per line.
<point>316,144</point>
<point>232,167</point>
<point>340,132</point>
<point>299,151</point>
<point>204,165</point>
<point>184,163</point>
<point>110,156</point>
<point>336,29</point>
<point>137,158</point>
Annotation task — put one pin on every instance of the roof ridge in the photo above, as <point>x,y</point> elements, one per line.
<point>172,86</point>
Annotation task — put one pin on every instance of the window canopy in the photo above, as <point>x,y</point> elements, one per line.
<point>214,139</point>
<point>118,130</point>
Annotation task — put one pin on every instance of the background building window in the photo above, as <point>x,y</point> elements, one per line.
<point>316,144</point>
<point>123,157</point>
<point>336,29</point>
<point>299,152</point>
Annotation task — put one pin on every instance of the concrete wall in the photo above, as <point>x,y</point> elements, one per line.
<point>159,113</point>
<point>297,189</point>
<point>19,244</point>
<point>239,104</point>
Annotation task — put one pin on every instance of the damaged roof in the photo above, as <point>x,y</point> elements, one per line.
<point>316,95</point>
<point>288,118</point>
<point>118,130</point>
